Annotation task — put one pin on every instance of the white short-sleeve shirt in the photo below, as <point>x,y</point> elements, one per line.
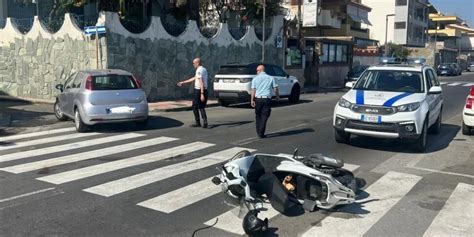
<point>201,72</point>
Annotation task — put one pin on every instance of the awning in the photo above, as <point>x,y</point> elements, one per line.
<point>358,14</point>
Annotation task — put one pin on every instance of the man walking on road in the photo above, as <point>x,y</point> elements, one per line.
<point>261,98</point>
<point>200,93</point>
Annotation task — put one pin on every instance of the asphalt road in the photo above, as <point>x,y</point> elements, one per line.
<point>408,194</point>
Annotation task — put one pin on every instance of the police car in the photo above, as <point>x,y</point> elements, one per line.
<point>468,114</point>
<point>232,83</point>
<point>391,100</point>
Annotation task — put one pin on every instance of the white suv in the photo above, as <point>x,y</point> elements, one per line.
<point>391,101</point>
<point>232,83</point>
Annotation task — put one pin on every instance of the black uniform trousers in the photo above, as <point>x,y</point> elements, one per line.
<point>199,106</point>
<point>263,109</point>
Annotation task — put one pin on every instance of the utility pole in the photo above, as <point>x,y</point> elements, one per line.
<point>386,32</point>
<point>263,33</point>
<point>300,45</point>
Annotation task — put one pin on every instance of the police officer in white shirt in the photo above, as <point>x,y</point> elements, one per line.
<point>200,93</point>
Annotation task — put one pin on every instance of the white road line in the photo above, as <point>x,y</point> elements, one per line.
<point>454,84</point>
<point>229,222</point>
<point>142,179</point>
<point>457,216</point>
<point>468,84</point>
<point>384,194</point>
<point>443,83</point>
<point>36,134</point>
<point>46,140</point>
<point>175,200</point>
<point>86,155</point>
<point>26,194</point>
<point>66,147</point>
<point>85,172</point>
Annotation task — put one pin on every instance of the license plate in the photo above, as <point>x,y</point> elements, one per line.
<point>228,80</point>
<point>120,110</point>
<point>371,118</point>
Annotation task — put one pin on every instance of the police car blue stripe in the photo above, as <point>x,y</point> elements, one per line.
<point>360,97</point>
<point>394,99</point>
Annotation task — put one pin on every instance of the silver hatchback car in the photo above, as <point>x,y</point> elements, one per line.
<point>101,96</point>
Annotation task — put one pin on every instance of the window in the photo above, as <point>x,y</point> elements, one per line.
<point>401,3</point>
<point>400,25</point>
<point>334,53</point>
<point>77,81</point>
<point>269,70</point>
<point>68,83</point>
<point>279,72</point>
<point>113,82</point>
<point>385,80</point>
<point>432,78</point>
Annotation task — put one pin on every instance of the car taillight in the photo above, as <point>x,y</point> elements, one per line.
<point>472,91</point>
<point>139,84</point>
<point>89,83</point>
<point>469,102</point>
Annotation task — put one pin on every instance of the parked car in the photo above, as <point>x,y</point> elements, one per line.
<point>391,101</point>
<point>355,73</point>
<point>470,68</point>
<point>446,69</point>
<point>232,83</point>
<point>101,96</point>
<point>458,68</point>
<point>468,114</point>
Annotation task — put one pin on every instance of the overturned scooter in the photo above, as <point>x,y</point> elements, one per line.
<point>316,181</point>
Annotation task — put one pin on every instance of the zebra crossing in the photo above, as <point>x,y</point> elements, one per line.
<point>456,83</point>
<point>27,152</point>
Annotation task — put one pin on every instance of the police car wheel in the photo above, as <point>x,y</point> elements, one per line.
<point>295,95</point>
<point>466,130</point>
<point>420,143</point>
<point>341,136</point>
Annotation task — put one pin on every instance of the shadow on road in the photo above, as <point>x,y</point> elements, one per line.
<point>154,123</point>
<point>228,124</point>
<point>436,142</point>
<point>275,104</point>
<point>289,133</point>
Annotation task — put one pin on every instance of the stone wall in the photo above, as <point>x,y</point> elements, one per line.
<point>160,60</point>
<point>32,64</point>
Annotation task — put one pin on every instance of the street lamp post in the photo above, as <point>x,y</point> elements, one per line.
<point>386,32</point>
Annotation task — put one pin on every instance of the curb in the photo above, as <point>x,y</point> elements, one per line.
<point>25,99</point>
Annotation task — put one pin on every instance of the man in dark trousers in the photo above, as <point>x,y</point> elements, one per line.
<point>261,98</point>
<point>200,93</point>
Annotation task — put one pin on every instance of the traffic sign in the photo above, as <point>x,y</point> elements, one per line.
<point>90,30</point>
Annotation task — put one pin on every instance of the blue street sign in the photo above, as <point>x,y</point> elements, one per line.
<point>92,30</point>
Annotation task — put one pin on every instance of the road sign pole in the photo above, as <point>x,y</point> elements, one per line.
<point>97,47</point>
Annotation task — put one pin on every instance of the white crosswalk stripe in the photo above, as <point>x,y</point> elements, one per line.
<point>454,84</point>
<point>86,155</point>
<point>66,147</point>
<point>85,172</point>
<point>229,222</point>
<point>385,193</point>
<point>443,82</point>
<point>457,216</point>
<point>468,84</point>
<point>37,134</point>
<point>174,200</point>
<point>47,140</point>
<point>142,179</point>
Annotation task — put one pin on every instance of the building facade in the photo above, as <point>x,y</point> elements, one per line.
<point>402,22</point>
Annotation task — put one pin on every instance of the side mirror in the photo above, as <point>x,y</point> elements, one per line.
<point>60,87</point>
<point>349,84</point>
<point>435,90</point>
<point>287,75</point>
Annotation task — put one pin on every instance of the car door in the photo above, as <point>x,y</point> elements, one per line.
<point>66,94</point>
<point>430,98</point>
<point>75,90</point>
<point>284,81</point>
<point>437,98</point>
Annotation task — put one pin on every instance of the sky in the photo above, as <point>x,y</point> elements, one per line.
<point>462,8</point>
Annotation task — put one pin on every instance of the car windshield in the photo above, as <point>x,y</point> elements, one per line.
<point>444,66</point>
<point>384,80</point>
<point>113,82</point>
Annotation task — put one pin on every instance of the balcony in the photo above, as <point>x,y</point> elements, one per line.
<point>446,32</point>
<point>328,18</point>
<point>348,30</point>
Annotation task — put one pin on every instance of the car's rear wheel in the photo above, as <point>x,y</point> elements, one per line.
<point>295,95</point>
<point>466,130</point>
<point>224,103</point>
<point>436,127</point>
<point>58,112</point>
<point>420,143</point>
<point>79,124</point>
<point>341,136</point>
